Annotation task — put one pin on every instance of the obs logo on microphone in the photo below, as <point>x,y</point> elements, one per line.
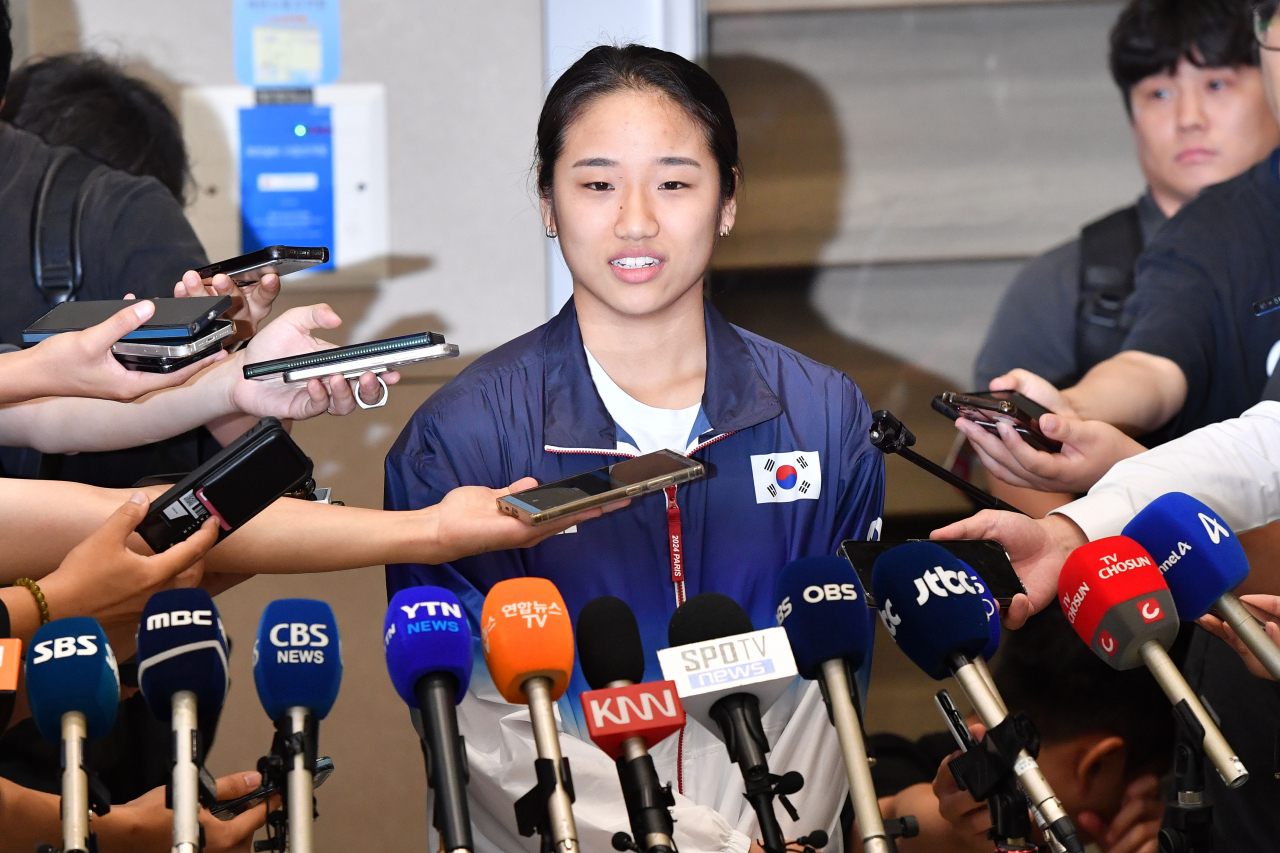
<point>814,594</point>
<point>943,582</point>
<point>298,642</point>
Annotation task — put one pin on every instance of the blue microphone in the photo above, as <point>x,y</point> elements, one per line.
<point>297,668</point>
<point>73,688</point>
<point>823,608</point>
<point>993,613</point>
<point>933,609</point>
<point>1202,562</point>
<point>182,670</point>
<point>429,657</point>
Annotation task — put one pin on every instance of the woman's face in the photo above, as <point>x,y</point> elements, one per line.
<point>636,203</point>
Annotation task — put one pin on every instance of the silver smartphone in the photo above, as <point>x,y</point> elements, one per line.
<point>350,368</point>
<point>219,330</point>
<point>631,478</point>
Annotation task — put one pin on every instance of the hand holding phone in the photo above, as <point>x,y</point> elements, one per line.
<point>989,409</point>
<point>252,281</point>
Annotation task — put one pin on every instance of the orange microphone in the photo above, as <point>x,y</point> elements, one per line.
<point>528,646</point>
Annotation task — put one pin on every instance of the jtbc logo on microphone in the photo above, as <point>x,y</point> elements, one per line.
<point>298,642</point>
<point>178,618</point>
<point>942,582</point>
<point>85,645</point>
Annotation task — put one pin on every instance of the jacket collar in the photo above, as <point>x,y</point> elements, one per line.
<point>736,396</point>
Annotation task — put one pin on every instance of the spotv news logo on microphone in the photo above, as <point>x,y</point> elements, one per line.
<point>296,642</point>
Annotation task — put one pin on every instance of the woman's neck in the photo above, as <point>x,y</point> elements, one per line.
<point>659,359</point>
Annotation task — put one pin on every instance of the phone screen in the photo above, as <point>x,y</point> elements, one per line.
<point>985,556</point>
<point>240,491</point>
<point>617,476</point>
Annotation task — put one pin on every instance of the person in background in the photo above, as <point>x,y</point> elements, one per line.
<point>1187,71</point>
<point>1107,739</point>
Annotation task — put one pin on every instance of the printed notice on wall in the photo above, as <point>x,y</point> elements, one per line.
<point>287,43</point>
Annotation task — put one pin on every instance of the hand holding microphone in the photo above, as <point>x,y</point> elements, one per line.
<point>1202,561</point>
<point>823,609</point>
<point>297,668</point>
<point>935,613</point>
<point>429,657</point>
<point>1114,597</point>
<point>73,687</point>
<point>625,718</point>
<point>528,646</point>
<point>182,670</point>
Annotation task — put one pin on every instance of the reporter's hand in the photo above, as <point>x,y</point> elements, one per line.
<point>1036,547</point>
<point>145,825</point>
<point>1136,826</point>
<point>1089,449</point>
<point>1034,388</point>
<point>103,578</point>
<point>468,521</point>
<point>250,304</point>
<point>1267,607</point>
<point>80,364</point>
<point>290,335</point>
<point>968,818</point>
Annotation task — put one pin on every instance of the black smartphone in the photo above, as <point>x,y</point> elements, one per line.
<point>175,319</point>
<point>632,478</point>
<point>281,260</point>
<point>227,809</point>
<point>987,557</point>
<point>955,721</point>
<point>163,364</point>
<point>351,361</point>
<point>235,485</point>
<point>988,408</point>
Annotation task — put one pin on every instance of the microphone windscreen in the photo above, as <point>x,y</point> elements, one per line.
<point>707,616</point>
<point>930,606</point>
<point>609,646</point>
<point>823,608</point>
<point>525,632</point>
<point>297,657</point>
<point>426,631</point>
<point>1200,557</point>
<point>70,667</point>
<point>993,613</point>
<point>1112,594</point>
<point>182,646</point>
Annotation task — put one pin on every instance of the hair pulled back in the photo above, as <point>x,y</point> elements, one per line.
<point>607,69</point>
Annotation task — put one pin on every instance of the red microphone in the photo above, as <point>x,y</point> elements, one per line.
<point>1113,595</point>
<point>650,711</point>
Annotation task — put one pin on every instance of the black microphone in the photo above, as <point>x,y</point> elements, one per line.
<point>612,658</point>
<point>719,659</point>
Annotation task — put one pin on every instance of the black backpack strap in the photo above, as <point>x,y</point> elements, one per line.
<point>1109,249</point>
<point>55,223</point>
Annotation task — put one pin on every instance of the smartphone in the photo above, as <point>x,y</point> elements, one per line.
<point>217,331</point>
<point>227,809</point>
<point>373,357</point>
<point>955,721</point>
<point>988,408</point>
<point>175,319</point>
<point>631,478</point>
<point>235,485</point>
<point>281,260</point>
<point>987,557</point>
<point>153,364</point>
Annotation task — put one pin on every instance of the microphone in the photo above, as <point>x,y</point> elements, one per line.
<point>429,658</point>
<point>1112,594</point>
<point>528,647</point>
<point>727,675</point>
<point>297,668</point>
<point>625,718</point>
<point>823,609</point>
<point>1202,562</point>
<point>932,606</point>
<point>182,670</point>
<point>73,687</point>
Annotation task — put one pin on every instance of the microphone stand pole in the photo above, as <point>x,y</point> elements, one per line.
<point>1190,818</point>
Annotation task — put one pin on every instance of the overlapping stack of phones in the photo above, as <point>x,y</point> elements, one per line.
<point>181,332</point>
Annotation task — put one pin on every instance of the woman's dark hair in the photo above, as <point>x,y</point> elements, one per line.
<point>1151,36</point>
<point>86,102</point>
<point>1044,670</point>
<point>606,69</point>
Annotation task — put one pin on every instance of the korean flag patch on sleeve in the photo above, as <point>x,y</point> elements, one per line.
<point>787,477</point>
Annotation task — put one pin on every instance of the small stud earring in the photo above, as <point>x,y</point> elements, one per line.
<point>551,233</point>
<point>724,232</point>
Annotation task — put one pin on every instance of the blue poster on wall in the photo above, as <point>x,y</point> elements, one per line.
<point>287,43</point>
<point>286,177</point>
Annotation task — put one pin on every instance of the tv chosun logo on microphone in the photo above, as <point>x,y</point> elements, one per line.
<point>1150,611</point>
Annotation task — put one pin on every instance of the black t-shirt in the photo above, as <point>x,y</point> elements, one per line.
<point>901,763</point>
<point>1196,285</point>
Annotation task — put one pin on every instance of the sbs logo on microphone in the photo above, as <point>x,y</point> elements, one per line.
<point>86,645</point>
